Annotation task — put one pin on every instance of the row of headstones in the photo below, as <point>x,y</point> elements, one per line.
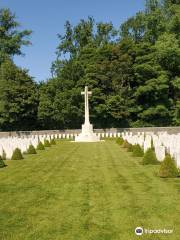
<point>9,144</point>
<point>101,135</point>
<point>162,142</point>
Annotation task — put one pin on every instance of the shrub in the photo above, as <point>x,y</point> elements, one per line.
<point>150,157</point>
<point>119,141</point>
<point>31,150</point>
<point>137,151</point>
<point>3,155</point>
<point>168,168</point>
<point>2,164</point>
<point>130,147</point>
<point>53,142</point>
<point>47,143</point>
<point>125,144</point>
<point>17,155</point>
<point>40,146</point>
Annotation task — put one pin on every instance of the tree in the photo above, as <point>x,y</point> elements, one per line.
<point>134,77</point>
<point>94,60</point>
<point>156,63</point>
<point>11,40</point>
<point>18,98</point>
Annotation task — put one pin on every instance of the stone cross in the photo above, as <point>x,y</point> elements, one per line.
<point>86,93</point>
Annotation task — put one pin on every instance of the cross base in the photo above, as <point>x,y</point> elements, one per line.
<point>87,134</point>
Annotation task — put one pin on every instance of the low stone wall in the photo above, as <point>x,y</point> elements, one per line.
<point>170,130</point>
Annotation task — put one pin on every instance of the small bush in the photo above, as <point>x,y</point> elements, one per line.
<point>31,150</point>
<point>137,151</point>
<point>47,143</point>
<point>2,164</point>
<point>130,147</point>
<point>3,155</point>
<point>150,157</point>
<point>53,142</point>
<point>40,146</point>
<point>17,155</point>
<point>119,141</point>
<point>168,168</point>
<point>125,144</point>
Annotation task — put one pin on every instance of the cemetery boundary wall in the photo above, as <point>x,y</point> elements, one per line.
<point>169,130</point>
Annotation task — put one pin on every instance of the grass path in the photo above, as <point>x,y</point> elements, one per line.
<point>94,191</point>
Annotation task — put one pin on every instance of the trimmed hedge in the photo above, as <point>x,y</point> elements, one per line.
<point>3,155</point>
<point>40,146</point>
<point>137,151</point>
<point>168,168</point>
<point>53,142</point>
<point>125,144</point>
<point>31,150</point>
<point>47,143</point>
<point>2,164</point>
<point>17,155</point>
<point>119,141</point>
<point>130,147</point>
<point>150,157</point>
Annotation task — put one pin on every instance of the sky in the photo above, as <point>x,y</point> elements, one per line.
<point>47,18</point>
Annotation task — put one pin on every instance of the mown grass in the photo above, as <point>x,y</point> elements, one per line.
<point>76,191</point>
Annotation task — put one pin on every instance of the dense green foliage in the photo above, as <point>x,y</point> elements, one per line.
<point>40,146</point>
<point>137,151</point>
<point>11,40</point>
<point>18,98</point>
<point>31,150</point>
<point>168,168</point>
<point>134,73</point>
<point>17,155</point>
<point>18,91</point>
<point>150,157</point>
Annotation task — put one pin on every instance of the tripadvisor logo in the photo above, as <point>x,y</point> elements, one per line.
<point>139,231</point>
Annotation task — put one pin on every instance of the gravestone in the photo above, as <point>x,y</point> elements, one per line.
<point>160,153</point>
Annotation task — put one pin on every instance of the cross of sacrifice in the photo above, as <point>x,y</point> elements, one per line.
<point>86,93</point>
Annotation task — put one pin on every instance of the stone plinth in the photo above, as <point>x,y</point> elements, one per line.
<point>87,134</point>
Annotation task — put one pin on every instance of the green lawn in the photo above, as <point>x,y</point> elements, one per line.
<point>76,191</point>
